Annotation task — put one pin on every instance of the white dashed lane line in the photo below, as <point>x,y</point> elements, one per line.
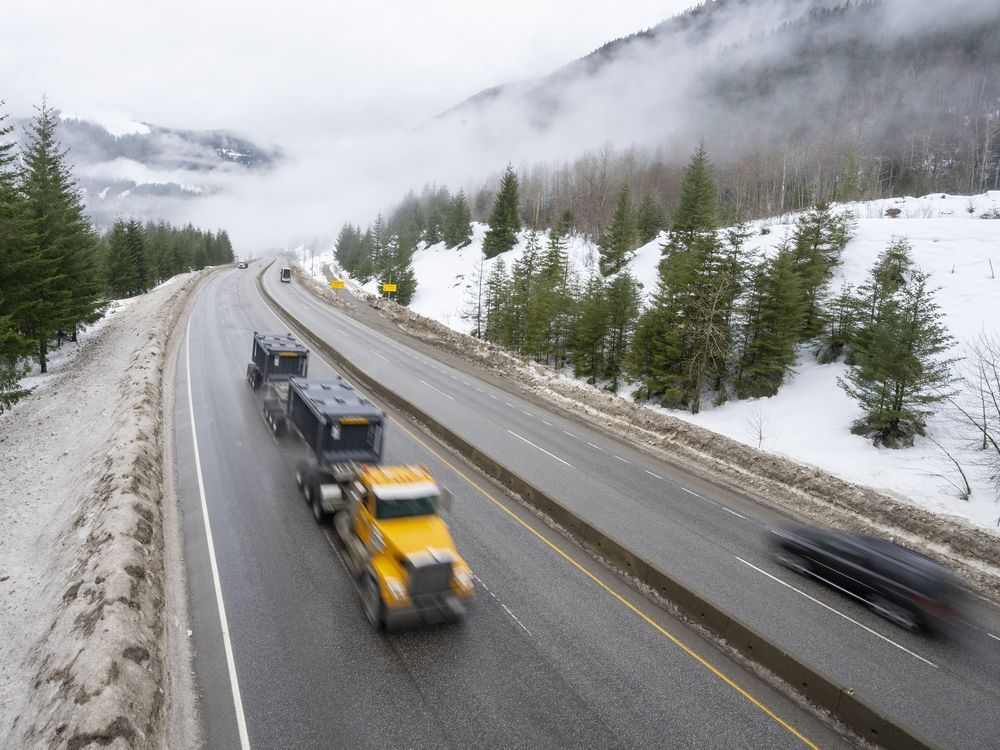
<point>552,455</point>
<point>508,403</point>
<point>571,435</point>
<point>691,492</point>
<point>497,600</point>
<point>839,614</point>
<point>994,637</point>
<point>546,423</point>
<point>623,460</point>
<point>492,396</point>
<point>527,412</point>
<point>733,512</point>
<point>380,356</point>
<point>436,389</point>
<point>653,475</point>
<point>597,447</point>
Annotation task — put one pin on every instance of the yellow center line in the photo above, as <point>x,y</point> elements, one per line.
<point>674,639</point>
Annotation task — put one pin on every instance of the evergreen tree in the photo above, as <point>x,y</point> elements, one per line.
<point>135,241</point>
<point>819,240</point>
<point>623,298</point>
<point>13,346</point>
<point>62,242</point>
<point>591,330</point>
<point>886,278</point>
<point>621,237</point>
<point>523,327</point>
<point>683,340</point>
<point>398,270</point>
<point>119,271</point>
<point>555,297</point>
<point>650,219</point>
<point>842,325</point>
<point>458,222</point>
<point>772,324</point>
<point>494,300</point>
<point>899,369</point>
<point>505,219</point>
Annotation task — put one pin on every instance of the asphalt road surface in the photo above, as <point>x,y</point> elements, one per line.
<point>555,652</point>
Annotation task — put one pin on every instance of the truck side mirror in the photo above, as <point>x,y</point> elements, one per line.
<point>447,499</point>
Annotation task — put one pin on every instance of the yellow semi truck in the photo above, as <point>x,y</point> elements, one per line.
<point>387,518</point>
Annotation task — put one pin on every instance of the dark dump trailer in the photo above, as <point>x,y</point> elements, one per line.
<point>275,359</point>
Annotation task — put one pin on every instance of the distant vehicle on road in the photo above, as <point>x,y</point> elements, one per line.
<point>903,586</point>
<point>241,264</point>
<point>286,274</point>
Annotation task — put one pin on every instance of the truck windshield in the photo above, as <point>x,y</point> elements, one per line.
<point>404,507</point>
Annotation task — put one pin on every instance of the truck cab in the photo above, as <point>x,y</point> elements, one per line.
<point>286,274</point>
<point>410,571</point>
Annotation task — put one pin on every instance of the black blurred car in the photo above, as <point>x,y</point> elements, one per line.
<point>241,264</point>
<point>903,586</point>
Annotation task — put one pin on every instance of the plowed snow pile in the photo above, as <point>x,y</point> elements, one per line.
<point>81,540</point>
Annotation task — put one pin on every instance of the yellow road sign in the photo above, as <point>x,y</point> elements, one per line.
<point>337,284</point>
<point>388,287</point>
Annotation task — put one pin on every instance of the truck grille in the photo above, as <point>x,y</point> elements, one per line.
<point>429,578</point>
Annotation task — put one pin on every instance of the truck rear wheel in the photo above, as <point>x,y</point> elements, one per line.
<point>371,602</point>
<point>253,376</point>
<point>307,482</point>
<point>321,516</point>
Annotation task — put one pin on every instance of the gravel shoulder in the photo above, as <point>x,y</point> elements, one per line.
<point>89,657</point>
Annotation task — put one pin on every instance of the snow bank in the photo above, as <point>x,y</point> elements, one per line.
<point>81,540</point>
<point>809,419</point>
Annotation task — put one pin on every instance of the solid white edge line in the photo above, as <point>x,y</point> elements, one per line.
<point>539,448</point>
<point>841,614</point>
<point>241,721</point>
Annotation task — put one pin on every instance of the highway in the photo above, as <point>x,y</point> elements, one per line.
<point>708,538</point>
<point>555,652</point>
<point>544,631</point>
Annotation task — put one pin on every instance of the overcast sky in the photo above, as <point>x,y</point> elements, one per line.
<point>296,69</point>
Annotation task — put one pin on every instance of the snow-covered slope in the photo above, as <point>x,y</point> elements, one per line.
<point>809,419</point>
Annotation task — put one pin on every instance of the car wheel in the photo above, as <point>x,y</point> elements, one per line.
<point>308,485</point>
<point>371,602</point>
<point>897,614</point>
<point>795,563</point>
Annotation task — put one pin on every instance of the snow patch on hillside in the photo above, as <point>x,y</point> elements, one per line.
<point>116,123</point>
<point>809,419</point>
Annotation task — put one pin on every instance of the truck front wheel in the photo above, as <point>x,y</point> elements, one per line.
<point>371,601</point>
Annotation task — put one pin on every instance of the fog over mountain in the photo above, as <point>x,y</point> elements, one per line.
<point>797,87</point>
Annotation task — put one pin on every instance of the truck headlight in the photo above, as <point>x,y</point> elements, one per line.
<point>396,588</point>
<point>463,576</point>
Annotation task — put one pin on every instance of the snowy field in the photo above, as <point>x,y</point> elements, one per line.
<point>809,419</point>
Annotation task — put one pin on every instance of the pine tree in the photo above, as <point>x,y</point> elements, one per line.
<point>683,340</point>
<point>621,237</point>
<point>773,314</point>
<point>650,219</point>
<point>819,240</point>
<point>591,330</point>
<point>13,346</point>
<point>899,370</point>
<point>61,239</point>
<point>522,325</point>
<point>505,219</point>
<point>119,270</point>
<point>458,222</point>
<point>135,242</point>
<point>623,298</point>
<point>494,302</point>
<point>555,297</point>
